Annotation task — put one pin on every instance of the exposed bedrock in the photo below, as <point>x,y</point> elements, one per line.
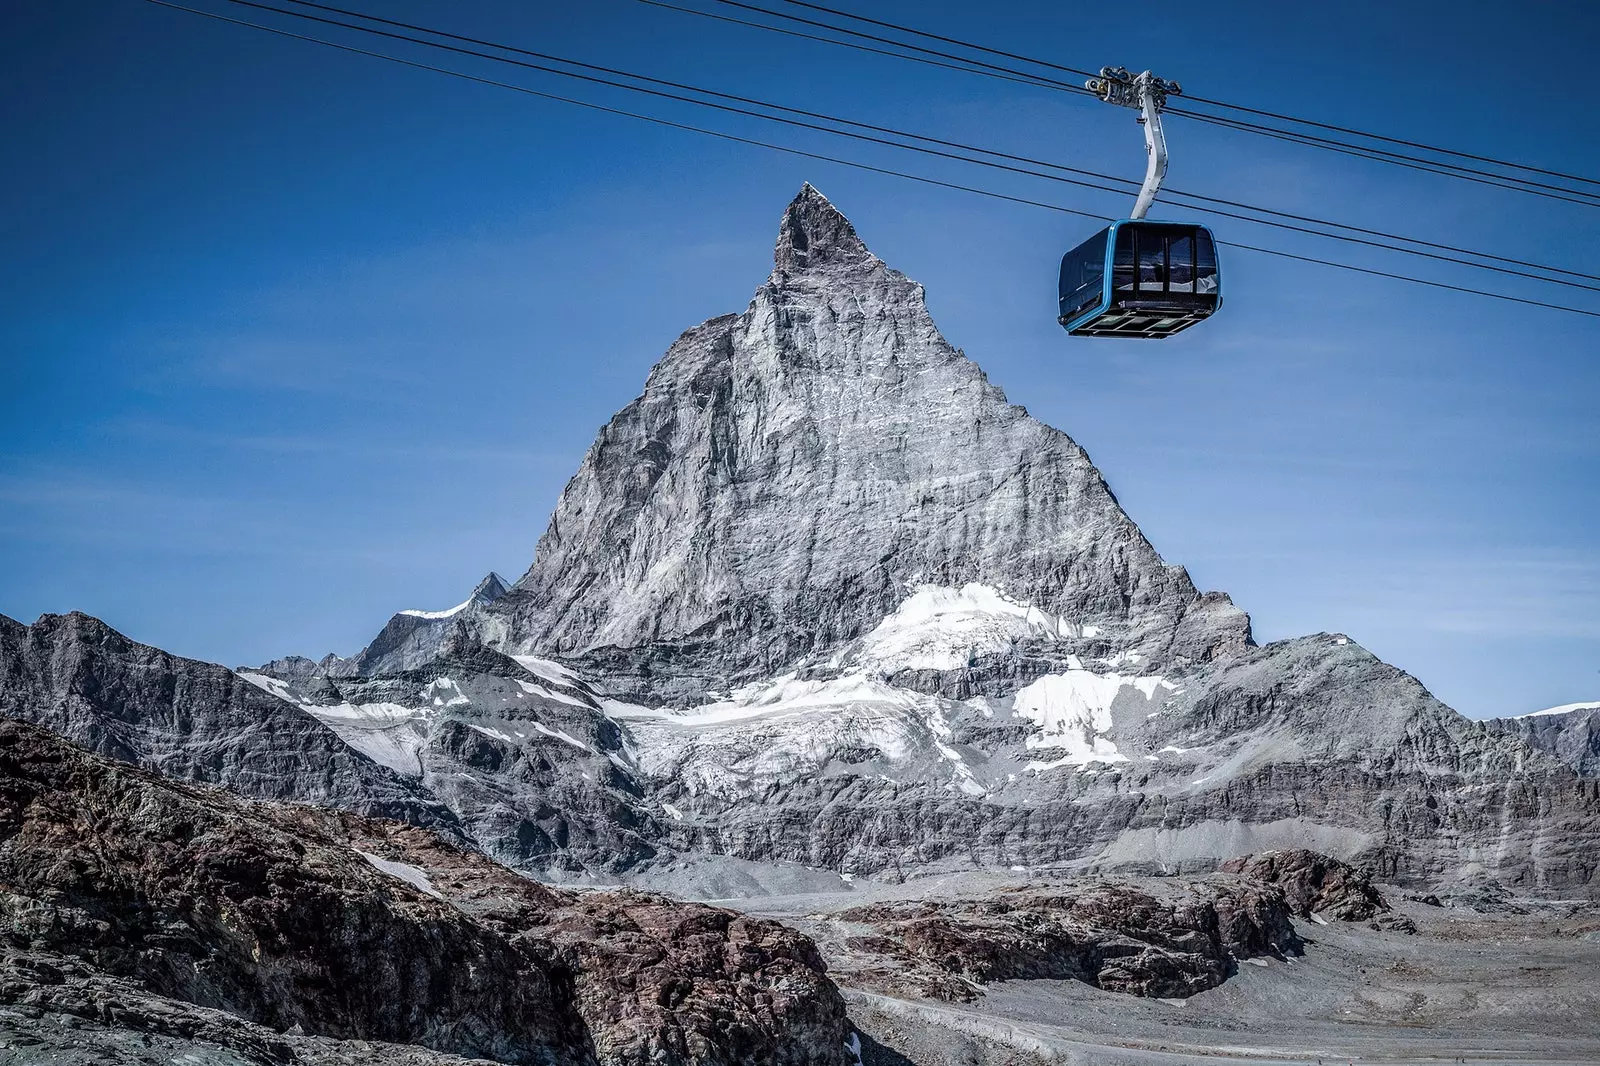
<point>1170,940</point>
<point>338,926</point>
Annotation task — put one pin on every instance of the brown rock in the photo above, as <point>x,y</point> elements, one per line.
<point>290,916</point>
<point>1314,883</point>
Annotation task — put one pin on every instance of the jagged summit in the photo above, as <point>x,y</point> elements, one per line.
<point>413,637</point>
<point>792,473</point>
<point>814,232</point>
<point>491,588</point>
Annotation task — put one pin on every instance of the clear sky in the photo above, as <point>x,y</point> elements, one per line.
<point>291,339</point>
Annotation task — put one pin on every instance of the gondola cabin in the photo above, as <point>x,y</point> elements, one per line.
<point>1140,279</point>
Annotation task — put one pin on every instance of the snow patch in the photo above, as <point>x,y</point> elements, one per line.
<point>790,726</point>
<point>546,669</point>
<point>269,684</point>
<point>386,733</point>
<point>443,686</point>
<point>1073,713</point>
<point>435,615</point>
<point>560,735</point>
<point>1565,708</point>
<point>939,628</point>
<point>672,812</point>
<point>411,875</point>
<point>532,689</point>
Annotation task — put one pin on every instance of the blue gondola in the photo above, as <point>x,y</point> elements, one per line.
<point>1140,279</point>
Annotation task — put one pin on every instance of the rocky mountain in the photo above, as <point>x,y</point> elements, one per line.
<point>136,909</point>
<point>190,720</point>
<point>1570,733</point>
<point>792,473</point>
<point>842,606</point>
<point>412,638</point>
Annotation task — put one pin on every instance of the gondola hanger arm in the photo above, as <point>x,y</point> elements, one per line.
<point>1147,94</point>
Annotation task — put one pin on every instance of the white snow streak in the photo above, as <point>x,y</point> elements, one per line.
<point>434,615</point>
<point>404,871</point>
<point>1565,708</point>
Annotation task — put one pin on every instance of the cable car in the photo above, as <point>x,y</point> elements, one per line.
<point>1140,279</point>
<point>1137,278</point>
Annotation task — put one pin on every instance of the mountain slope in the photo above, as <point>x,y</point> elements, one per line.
<point>1570,733</point>
<point>189,720</point>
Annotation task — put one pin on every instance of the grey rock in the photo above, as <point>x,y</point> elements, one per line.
<point>413,637</point>
<point>1572,736</point>
<point>190,720</point>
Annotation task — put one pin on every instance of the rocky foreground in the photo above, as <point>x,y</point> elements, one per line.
<point>145,908</point>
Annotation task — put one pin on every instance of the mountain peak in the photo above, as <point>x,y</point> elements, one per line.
<point>491,588</point>
<point>791,474</point>
<point>814,232</point>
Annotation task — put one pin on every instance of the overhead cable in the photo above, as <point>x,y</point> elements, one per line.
<point>854,164</point>
<point>980,67</point>
<point>1205,204</point>
<point>926,35</point>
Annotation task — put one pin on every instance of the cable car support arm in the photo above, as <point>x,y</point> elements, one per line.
<point>1147,94</point>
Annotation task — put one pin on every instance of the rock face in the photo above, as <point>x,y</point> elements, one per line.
<point>412,638</point>
<point>1571,735</point>
<point>518,750</point>
<point>791,473</point>
<point>1119,937</point>
<point>237,922</point>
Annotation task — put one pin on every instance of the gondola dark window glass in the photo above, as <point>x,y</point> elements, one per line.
<point>1164,279</point>
<point>1083,275</point>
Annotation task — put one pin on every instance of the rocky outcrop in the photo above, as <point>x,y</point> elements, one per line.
<point>1313,884</point>
<point>337,926</point>
<point>520,752</point>
<point>1573,736</point>
<point>190,720</point>
<point>1168,940</point>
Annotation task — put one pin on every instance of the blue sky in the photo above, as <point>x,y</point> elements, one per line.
<point>291,339</point>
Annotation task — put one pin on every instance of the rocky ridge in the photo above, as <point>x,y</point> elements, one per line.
<point>1569,734</point>
<point>1169,940</point>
